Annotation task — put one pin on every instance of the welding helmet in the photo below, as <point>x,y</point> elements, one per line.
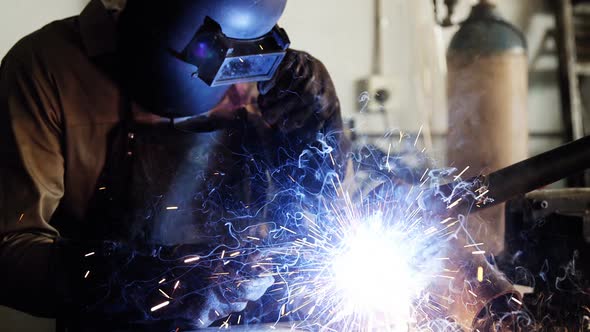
<point>179,57</point>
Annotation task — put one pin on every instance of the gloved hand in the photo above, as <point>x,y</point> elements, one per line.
<point>305,140</point>
<point>221,301</point>
<point>301,95</point>
<point>195,304</point>
<point>230,285</point>
<point>140,289</point>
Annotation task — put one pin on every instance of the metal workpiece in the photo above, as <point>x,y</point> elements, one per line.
<point>571,202</point>
<point>477,292</point>
<point>485,191</point>
<point>480,285</point>
<point>538,171</point>
<point>278,327</point>
<point>548,250</point>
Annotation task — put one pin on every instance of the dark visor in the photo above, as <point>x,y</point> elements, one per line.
<point>222,60</point>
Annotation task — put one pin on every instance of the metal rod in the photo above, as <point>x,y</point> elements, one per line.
<point>514,180</point>
<point>538,171</point>
<point>506,183</point>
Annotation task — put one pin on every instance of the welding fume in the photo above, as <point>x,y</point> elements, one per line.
<point>182,166</point>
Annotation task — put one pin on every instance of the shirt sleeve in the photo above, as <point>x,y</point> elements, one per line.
<point>31,180</point>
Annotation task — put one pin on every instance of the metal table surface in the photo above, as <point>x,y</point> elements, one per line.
<point>281,327</point>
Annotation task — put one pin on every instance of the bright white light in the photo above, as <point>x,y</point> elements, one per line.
<point>374,274</point>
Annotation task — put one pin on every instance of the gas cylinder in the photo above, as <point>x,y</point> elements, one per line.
<point>487,95</point>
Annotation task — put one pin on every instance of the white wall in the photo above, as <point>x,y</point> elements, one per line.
<point>21,17</point>
<point>340,34</point>
<point>337,32</point>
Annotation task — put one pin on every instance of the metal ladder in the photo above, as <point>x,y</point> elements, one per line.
<point>573,45</point>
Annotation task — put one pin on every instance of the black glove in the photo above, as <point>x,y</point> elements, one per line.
<point>147,289</point>
<point>305,144</point>
<point>301,95</point>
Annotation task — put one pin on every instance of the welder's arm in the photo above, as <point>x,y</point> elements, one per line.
<point>41,272</point>
<point>31,184</point>
<point>45,274</point>
<point>301,105</point>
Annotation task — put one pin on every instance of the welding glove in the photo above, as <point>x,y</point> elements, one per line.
<point>300,97</point>
<point>142,288</point>
<point>209,291</point>
<point>229,285</point>
<point>306,139</point>
<point>225,299</point>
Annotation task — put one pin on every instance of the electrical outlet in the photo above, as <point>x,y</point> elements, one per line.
<point>376,94</point>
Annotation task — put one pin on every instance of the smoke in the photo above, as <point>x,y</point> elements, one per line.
<point>384,246</point>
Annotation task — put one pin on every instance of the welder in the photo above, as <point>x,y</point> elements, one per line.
<point>130,135</point>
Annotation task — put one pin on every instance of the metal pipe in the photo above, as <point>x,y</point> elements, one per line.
<point>377,38</point>
<point>506,183</point>
<point>538,171</point>
<point>517,179</point>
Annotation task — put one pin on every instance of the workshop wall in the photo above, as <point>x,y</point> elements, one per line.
<point>340,34</point>
<point>22,17</point>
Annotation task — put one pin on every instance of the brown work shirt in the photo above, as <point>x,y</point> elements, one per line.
<point>59,107</point>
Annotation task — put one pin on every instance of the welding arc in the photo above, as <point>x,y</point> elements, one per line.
<point>532,173</point>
